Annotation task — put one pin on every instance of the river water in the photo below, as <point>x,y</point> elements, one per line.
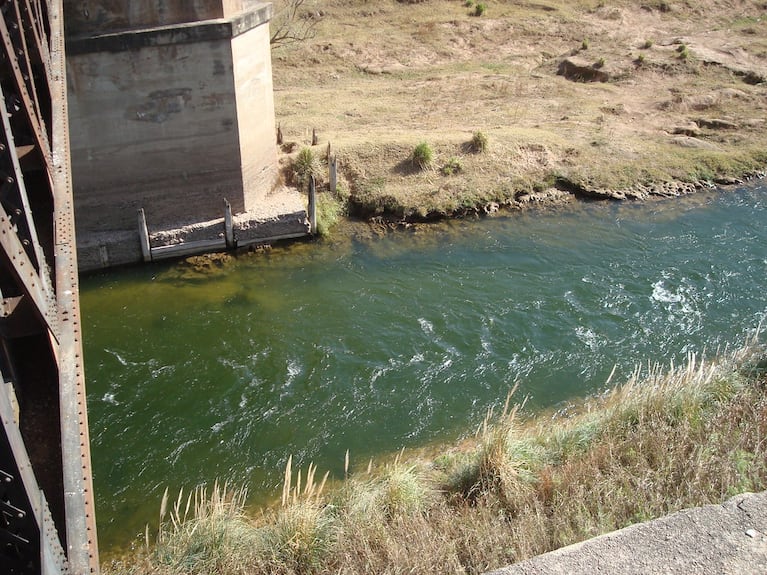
<point>375,344</point>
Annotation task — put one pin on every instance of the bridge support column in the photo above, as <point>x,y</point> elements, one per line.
<point>171,110</point>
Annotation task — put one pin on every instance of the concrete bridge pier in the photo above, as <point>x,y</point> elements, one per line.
<point>171,111</point>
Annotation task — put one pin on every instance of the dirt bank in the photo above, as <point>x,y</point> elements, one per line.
<point>585,99</point>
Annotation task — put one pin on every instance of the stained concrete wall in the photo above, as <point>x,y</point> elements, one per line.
<point>88,17</point>
<point>150,125</point>
<point>255,114</point>
<point>171,119</point>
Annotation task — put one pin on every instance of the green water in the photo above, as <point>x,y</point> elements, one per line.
<point>374,344</point>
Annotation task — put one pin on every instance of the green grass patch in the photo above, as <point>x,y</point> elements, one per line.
<point>330,209</point>
<point>451,167</point>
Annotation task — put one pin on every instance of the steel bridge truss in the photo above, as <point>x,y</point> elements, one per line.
<point>47,520</point>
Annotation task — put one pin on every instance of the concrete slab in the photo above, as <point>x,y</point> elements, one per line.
<point>713,540</point>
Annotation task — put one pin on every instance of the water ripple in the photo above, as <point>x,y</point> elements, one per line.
<point>400,341</point>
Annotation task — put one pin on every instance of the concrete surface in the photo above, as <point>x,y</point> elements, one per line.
<point>100,16</point>
<point>171,110</point>
<point>713,540</point>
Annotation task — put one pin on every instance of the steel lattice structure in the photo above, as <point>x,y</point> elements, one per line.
<point>47,520</point>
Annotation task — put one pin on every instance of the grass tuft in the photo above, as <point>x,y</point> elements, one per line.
<point>479,142</point>
<point>452,166</point>
<point>305,165</point>
<point>422,156</point>
<point>404,492</point>
<point>206,533</point>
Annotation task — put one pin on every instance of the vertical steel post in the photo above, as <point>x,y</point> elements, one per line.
<point>229,226</point>
<point>143,235</point>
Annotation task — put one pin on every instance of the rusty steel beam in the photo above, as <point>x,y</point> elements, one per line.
<point>26,275</point>
<point>27,533</point>
<point>28,73</point>
<point>36,123</point>
<point>46,491</point>
<point>82,546</point>
<point>18,180</point>
<point>30,17</point>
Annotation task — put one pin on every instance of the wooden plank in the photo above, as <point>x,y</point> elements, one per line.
<point>312,206</point>
<point>270,239</point>
<point>188,249</point>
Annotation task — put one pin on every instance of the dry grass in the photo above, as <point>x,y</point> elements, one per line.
<point>432,72</point>
<point>665,440</point>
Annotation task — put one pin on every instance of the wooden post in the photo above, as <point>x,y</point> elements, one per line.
<point>228,226</point>
<point>327,157</point>
<point>333,173</point>
<point>143,233</point>
<point>279,135</point>
<point>315,140</point>
<point>312,206</point>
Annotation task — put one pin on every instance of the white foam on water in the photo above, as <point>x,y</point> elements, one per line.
<point>426,326</point>
<point>663,294</point>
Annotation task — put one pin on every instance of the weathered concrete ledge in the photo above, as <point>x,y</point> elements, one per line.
<point>98,251</point>
<point>184,33</point>
<point>712,540</point>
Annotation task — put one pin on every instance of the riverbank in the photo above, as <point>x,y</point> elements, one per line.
<point>663,441</point>
<point>574,100</point>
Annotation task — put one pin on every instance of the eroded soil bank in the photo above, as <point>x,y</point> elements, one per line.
<point>585,99</point>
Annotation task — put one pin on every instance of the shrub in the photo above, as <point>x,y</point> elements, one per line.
<point>647,44</point>
<point>480,9</point>
<point>452,166</point>
<point>422,156</point>
<point>684,53</point>
<point>210,531</point>
<point>403,492</point>
<point>599,63</point>
<point>478,142</point>
<point>469,3</point>
<point>585,44</point>
<point>301,536</point>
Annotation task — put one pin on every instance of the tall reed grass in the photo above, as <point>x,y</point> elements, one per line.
<point>664,440</point>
